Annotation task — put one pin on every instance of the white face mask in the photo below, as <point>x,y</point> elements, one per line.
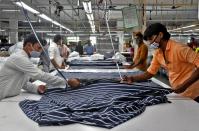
<point>154,45</point>
<point>35,54</point>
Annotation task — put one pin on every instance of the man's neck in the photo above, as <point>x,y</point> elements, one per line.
<point>163,45</point>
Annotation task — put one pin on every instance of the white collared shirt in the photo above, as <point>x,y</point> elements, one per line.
<point>54,53</point>
<point>15,74</point>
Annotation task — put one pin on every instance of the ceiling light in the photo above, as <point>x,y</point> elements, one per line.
<point>45,17</point>
<point>87,6</point>
<point>188,26</point>
<point>25,6</point>
<point>10,10</point>
<point>90,16</point>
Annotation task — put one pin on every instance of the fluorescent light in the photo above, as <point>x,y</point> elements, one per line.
<point>2,30</point>
<point>25,6</point>
<point>56,23</point>
<point>51,34</point>
<point>188,26</point>
<point>30,21</point>
<point>91,22</point>
<point>90,16</point>
<point>10,10</point>
<point>188,31</point>
<point>184,27</point>
<point>45,17</point>
<point>87,6</point>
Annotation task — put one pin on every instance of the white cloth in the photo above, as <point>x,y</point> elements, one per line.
<point>97,57</point>
<point>15,74</point>
<point>54,53</point>
<point>73,54</point>
<point>118,57</point>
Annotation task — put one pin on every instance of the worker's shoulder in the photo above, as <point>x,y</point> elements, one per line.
<point>144,46</point>
<point>19,56</point>
<point>177,44</point>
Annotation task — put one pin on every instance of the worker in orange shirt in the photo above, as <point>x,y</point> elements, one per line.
<point>181,62</point>
<point>140,59</point>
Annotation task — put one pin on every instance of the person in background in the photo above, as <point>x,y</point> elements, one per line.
<point>44,57</point>
<point>129,48</point>
<point>89,48</point>
<point>197,50</point>
<point>18,69</point>
<point>140,59</point>
<point>193,43</point>
<point>64,51</point>
<point>180,61</point>
<point>54,53</point>
<point>79,48</point>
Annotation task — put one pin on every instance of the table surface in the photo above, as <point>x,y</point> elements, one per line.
<point>180,115</point>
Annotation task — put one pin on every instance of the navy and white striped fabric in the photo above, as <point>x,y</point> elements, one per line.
<point>99,104</point>
<point>98,75</point>
<point>77,64</point>
<point>95,67</point>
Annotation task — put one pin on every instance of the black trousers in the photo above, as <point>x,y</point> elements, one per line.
<point>197,99</point>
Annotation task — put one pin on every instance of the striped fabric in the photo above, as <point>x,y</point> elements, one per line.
<point>95,67</point>
<point>98,75</point>
<point>98,104</point>
<point>103,64</point>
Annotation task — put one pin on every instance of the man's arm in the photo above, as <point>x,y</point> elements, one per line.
<point>56,65</point>
<point>188,55</point>
<point>32,88</point>
<point>138,78</point>
<point>194,77</point>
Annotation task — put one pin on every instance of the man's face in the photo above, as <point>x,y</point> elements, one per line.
<point>138,40</point>
<point>60,42</point>
<point>155,38</point>
<point>36,47</point>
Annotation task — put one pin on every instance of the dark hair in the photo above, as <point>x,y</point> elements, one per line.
<point>139,34</point>
<point>32,39</point>
<point>4,40</point>
<point>155,29</point>
<point>44,42</point>
<point>57,38</point>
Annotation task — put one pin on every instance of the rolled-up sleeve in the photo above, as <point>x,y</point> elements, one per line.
<point>154,66</point>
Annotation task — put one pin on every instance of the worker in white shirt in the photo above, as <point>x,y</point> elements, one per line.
<point>15,73</point>
<point>54,53</point>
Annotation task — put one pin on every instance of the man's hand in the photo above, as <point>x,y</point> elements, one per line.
<point>62,66</point>
<point>127,79</point>
<point>180,89</point>
<point>74,83</point>
<point>41,89</point>
<point>127,66</point>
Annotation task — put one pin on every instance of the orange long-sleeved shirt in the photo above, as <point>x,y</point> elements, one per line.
<point>182,62</point>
